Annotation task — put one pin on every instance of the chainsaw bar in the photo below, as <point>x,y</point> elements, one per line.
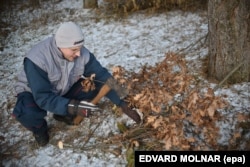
<point>113,84</point>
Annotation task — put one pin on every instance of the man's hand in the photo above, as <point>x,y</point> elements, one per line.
<point>81,108</point>
<point>130,112</point>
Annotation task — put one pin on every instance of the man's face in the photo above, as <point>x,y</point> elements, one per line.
<point>71,53</point>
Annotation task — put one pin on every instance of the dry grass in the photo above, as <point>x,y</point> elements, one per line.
<point>123,8</point>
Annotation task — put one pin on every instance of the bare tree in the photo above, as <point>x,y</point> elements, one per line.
<point>229,40</point>
<point>90,4</point>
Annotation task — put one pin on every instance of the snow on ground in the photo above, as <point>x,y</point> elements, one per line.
<point>129,42</point>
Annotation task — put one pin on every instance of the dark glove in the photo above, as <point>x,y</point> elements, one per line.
<point>81,108</point>
<point>130,112</point>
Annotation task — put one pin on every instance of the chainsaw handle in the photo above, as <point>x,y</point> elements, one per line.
<point>103,91</point>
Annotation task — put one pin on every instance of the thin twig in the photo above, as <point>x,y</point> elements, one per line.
<point>91,133</point>
<point>193,44</point>
<point>228,75</point>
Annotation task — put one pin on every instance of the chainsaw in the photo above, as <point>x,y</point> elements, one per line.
<point>107,86</point>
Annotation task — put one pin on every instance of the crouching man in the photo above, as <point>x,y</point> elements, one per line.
<point>51,81</point>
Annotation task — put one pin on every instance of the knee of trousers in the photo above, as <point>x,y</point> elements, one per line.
<point>28,113</point>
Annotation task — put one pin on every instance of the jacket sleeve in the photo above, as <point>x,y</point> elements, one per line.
<point>41,90</point>
<point>101,74</point>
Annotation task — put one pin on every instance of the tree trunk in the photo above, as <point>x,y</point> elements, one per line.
<point>34,3</point>
<point>89,3</point>
<point>229,39</point>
